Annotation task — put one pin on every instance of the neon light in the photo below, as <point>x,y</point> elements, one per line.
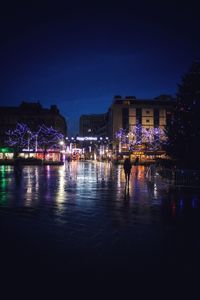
<point>90,138</point>
<point>44,138</point>
<point>27,150</point>
<point>153,138</point>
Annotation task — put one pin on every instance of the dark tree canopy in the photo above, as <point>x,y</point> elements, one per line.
<point>184,132</point>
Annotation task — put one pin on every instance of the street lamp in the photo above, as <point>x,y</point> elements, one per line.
<point>36,143</point>
<point>62,151</point>
<point>120,145</point>
<point>28,140</point>
<point>62,145</point>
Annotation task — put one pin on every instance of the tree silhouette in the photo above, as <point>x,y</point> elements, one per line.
<point>184,131</point>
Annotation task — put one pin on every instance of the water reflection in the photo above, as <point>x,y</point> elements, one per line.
<point>5,184</point>
<point>60,194</point>
<point>88,189</point>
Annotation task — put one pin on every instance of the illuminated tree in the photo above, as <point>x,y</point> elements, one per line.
<point>152,138</point>
<point>19,138</point>
<point>23,138</point>
<point>48,138</point>
<point>135,136</point>
<point>121,135</point>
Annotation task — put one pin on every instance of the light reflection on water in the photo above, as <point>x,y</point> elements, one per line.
<point>92,189</point>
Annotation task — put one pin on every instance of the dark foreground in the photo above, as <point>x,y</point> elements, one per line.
<point>77,225</point>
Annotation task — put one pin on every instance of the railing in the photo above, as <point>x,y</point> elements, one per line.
<point>176,177</point>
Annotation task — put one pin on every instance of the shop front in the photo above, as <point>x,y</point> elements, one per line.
<point>6,153</point>
<point>54,156</point>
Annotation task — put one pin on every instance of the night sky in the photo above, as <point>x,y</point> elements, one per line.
<point>79,56</point>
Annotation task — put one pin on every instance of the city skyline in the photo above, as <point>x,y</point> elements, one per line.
<point>80,57</point>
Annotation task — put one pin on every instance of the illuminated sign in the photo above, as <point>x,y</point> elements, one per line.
<point>138,152</point>
<point>27,150</point>
<point>85,138</point>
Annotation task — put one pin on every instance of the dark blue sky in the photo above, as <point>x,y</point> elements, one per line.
<point>80,56</point>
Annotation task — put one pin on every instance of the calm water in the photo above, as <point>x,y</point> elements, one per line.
<point>81,218</point>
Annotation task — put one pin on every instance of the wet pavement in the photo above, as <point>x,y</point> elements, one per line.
<point>80,218</point>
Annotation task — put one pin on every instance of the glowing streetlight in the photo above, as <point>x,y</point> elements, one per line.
<point>28,140</point>
<point>62,151</point>
<point>36,143</point>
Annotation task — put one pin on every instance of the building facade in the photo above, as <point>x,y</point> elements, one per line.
<point>93,125</point>
<point>128,112</point>
<point>32,114</point>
